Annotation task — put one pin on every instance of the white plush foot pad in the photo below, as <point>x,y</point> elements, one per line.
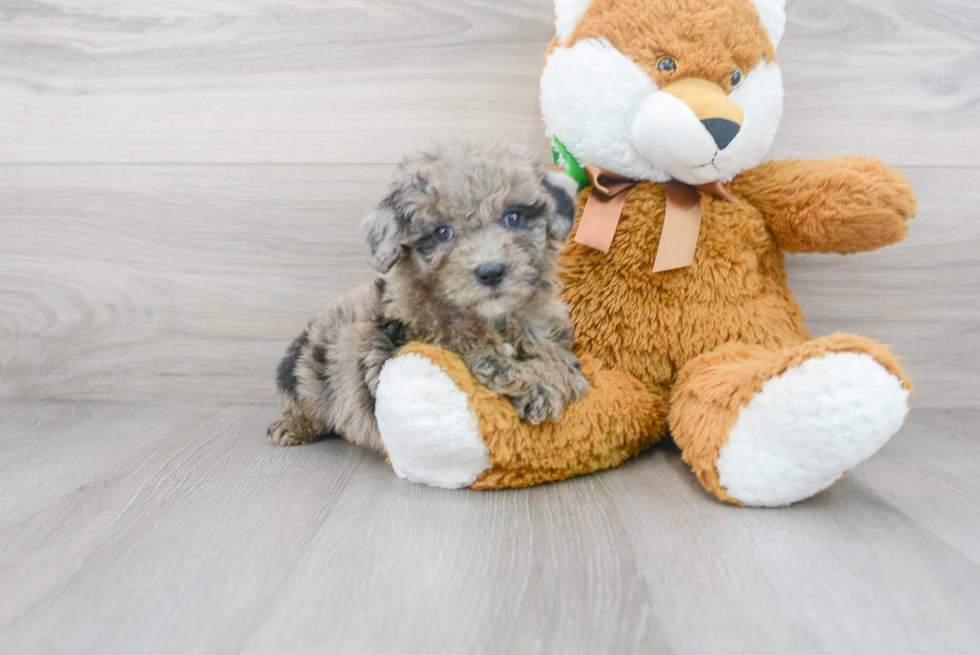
<point>426,425</point>
<point>809,426</point>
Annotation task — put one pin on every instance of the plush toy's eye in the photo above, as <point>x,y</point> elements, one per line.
<point>667,65</point>
<point>736,78</point>
<point>444,233</point>
<point>514,220</point>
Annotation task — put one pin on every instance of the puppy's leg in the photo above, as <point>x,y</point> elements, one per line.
<point>539,388</point>
<point>552,385</point>
<point>558,384</point>
<point>321,379</point>
<point>293,429</point>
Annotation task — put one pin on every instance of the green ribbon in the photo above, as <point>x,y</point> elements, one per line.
<point>565,161</point>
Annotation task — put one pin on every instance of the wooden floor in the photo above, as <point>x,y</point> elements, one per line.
<point>134,528</point>
<point>181,185</point>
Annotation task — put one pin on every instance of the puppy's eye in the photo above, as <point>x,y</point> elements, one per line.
<point>514,220</point>
<point>736,79</point>
<point>444,234</point>
<point>667,65</point>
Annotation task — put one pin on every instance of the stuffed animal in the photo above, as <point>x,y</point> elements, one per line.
<point>664,110</point>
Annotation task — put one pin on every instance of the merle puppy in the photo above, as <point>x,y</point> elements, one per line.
<point>466,243</point>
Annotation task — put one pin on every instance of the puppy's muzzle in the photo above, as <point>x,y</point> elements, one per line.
<point>491,274</point>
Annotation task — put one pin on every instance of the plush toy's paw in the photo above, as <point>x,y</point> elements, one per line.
<point>844,205</point>
<point>291,430</point>
<point>809,426</point>
<point>886,188</point>
<point>426,425</point>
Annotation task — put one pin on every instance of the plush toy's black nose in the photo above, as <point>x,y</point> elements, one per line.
<point>722,130</point>
<point>490,274</point>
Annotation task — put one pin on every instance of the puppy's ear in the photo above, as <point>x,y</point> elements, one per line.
<point>563,189</point>
<point>381,227</point>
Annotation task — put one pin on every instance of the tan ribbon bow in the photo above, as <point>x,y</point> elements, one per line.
<point>682,219</point>
<point>603,209</point>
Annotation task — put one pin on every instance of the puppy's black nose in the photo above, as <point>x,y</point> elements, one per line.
<point>490,274</point>
<point>723,131</point>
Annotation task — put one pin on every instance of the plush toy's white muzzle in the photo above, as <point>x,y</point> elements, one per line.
<point>669,135</point>
<point>682,128</point>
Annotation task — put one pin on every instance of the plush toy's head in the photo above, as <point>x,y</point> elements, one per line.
<point>664,89</point>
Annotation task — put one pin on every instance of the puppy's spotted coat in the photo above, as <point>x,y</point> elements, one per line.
<point>466,243</point>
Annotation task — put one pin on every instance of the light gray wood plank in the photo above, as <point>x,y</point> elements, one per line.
<point>928,472</point>
<point>17,420</point>
<point>188,282</point>
<point>200,537</point>
<point>54,450</point>
<point>857,81</point>
<point>170,282</point>
<point>844,572</point>
<point>365,80</point>
<point>298,82</point>
<point>406,568</point>
<point>139,528</point>
<point>179,545</point>
<point>222,542</point>
<point>64,487</point>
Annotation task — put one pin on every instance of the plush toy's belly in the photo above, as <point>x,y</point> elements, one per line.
<point>651,324</point>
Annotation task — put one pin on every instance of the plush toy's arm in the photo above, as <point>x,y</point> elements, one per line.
<point>840,205</point>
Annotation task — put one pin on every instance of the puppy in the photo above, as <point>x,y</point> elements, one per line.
<point>466,243</point>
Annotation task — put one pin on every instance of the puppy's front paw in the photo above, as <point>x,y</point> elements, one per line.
<point>494,373</point>
<point>542,403</point>
<point>291,430</point>
<point>578,386</point>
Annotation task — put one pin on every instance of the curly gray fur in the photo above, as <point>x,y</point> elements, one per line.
<point>466,243</point>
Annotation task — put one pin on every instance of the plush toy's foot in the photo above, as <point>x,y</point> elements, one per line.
<point>768,429</point>
<point>426,425</point>
<point>442,428</point>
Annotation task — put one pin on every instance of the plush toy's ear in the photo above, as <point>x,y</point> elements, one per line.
<point>567,15</point>
<point>563,189</point>
<point>773,14</point>
<point>381,227</point>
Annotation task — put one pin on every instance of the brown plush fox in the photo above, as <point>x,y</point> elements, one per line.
<point>676,281</point>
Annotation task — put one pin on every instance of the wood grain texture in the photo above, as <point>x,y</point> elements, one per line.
<point>294,81</point>
<point>164,529</point>
<point>930,476</point>
<point>188,282</point>
<point>181,182</point>
<point>365,80</point>
<point>180,189</point>
<point>859,80</point>
<point>170,282</point>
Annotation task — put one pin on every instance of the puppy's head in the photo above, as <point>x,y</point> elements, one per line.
<point>478,226</point>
